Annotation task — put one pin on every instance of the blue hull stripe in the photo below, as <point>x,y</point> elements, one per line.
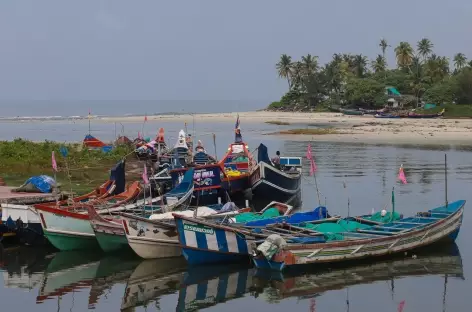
<point>201,240</point>
<point>242,245</point>
<point>222,286</point>
<point>202,291</point>
<point>180,230</point>
<point>242,280</point>
<point>222,242</point>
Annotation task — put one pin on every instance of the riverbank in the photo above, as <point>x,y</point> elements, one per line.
<point>346,128</point>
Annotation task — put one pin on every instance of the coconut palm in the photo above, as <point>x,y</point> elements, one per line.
<point>404,54</point>
<point>383,45</point>
<point>460,60</point>
<point>360,65</point>
<point>425,47</point>
<point>284,68</point>
<point>379,64</point>
<point>310,64</point>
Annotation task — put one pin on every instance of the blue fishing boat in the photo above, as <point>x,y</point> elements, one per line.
<point>423,229</point>
<point>204,241</point>
<point>275,181</point>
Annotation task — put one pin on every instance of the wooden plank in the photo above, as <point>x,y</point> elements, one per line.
<point>376,232</point>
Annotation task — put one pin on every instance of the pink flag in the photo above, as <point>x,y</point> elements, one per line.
<point>145,178</point>
<point>145,118</point>
<point>401,175</point>
<point>312,305</point>
<point>54,164</point>
<point>311,159</point>
<point>401,305</point>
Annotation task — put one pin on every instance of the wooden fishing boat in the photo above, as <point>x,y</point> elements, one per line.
<point>278,184</point>
<point>152,150</point>
<point>109,230</point>
<point>425,228</point>
<point>416,115</point>
<point>157,238</point>
<point>351,112</point>
<point>204,241</point>
<point>69,228</point>
<point>384,115</point>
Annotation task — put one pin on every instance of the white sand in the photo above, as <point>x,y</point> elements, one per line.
<point>350,128</point>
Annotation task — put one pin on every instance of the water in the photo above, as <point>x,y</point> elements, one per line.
<point>58,281</point>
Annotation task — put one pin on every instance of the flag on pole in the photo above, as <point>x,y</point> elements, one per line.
<point>401,175</point>
<point>236,126</point>
<point>310,157</point>
<point>54,164</point>
<point>145,178</point>
<point>401,305</point>
<point>145,118</point>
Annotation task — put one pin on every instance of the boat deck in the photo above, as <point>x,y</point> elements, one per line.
<point>9,197</point>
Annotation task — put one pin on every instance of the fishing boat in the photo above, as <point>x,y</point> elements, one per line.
<point>416,115</point>
<point>385,115</point>
<point>109,230</point>
<point>69,228</point>
<point>92,143</point>
<point>423,229</point>
<point>156,236</point>
<point>24,220</point>
<point>268,181</point>
<point>351,112</point>
<point>204,241</point>
<point>152,150</point>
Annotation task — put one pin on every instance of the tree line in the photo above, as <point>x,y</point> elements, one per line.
<point>419,75</point>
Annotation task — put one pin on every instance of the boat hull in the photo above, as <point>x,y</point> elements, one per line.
<point>203,244</point>
<point>110,242</point>
<point>151,239</point>
<point>66,230</point>
<point>267,181</point>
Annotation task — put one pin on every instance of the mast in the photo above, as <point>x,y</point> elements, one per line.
<point>445,177</point>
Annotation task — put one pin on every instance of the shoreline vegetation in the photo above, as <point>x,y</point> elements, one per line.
<point>352,81</point>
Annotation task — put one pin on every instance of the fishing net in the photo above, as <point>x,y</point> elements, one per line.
<point>389,217</point>
<point>251,216</point>
<point>332,231</point>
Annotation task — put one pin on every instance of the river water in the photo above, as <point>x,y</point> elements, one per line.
<point>431,280</point>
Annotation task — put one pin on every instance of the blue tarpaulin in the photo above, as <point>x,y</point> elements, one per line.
<point>42,183</point>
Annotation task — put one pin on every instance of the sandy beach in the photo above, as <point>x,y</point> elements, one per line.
<point>365,128</point>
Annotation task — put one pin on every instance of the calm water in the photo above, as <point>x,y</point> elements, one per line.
<point>436,280</point>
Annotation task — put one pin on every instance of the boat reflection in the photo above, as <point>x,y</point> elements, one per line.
<point>151,279</point>
<point>446,261</point>
<point>23,266</point>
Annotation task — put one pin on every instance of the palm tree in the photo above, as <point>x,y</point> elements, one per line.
<point>404,54</point>
<point>425,47</point>
<point>383,45</point>
<point>284,68</point>
<point>460,60</point>
<point>360,65</point>
<point>379,65</point>
<point>296,71</point>
<point>310,64</point>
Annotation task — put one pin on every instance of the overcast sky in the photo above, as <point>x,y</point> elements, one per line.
<point>200,49</point>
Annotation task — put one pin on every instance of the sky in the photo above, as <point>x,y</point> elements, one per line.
<point>199,50</point>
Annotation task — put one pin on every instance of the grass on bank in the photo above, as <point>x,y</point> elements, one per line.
<point>277,122</point>
<point>309,131</point>
<point>21,159</point>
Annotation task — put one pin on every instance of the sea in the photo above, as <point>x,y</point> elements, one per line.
<point>351,179</point>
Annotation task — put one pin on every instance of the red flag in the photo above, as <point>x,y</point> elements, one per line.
<point>401,305</point>
<point>145,118</point>
<point>145,178</point>
<point>310,157</point>
<point>53,160</point>
<point>401,175</point>
<point>312,305</point>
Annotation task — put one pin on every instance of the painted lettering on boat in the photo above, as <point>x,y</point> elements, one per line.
<point>255,176</point>
<point>199,228</point>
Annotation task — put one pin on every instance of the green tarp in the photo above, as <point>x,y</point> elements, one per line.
<point>251,216</point>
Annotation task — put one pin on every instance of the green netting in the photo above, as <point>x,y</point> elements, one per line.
<point>389,217</point>
<point>332,231</point>
<point>251,216</point>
